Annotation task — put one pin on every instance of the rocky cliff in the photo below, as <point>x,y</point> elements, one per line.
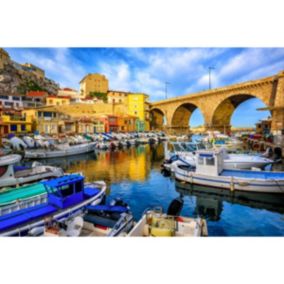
<point>15,80</point>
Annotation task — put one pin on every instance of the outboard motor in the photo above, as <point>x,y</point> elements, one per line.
<point>277,154</point>
<point>176,206</point>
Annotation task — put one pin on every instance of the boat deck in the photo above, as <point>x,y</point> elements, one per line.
<point>254,174</point>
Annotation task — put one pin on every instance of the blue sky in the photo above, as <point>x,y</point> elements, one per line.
<point>147,69</point>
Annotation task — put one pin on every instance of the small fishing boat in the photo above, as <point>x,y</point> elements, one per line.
<point>185,153</point>
<point>60,150</point>
<point>67,197</point>
<point>100,220</point>
<point>157,224</point>
<point>209,171</point>
<point>12,175</point>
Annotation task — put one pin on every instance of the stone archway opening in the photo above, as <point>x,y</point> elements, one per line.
<point>196,121</point>
<point>228,112</point>
<point>157,119</point>
<point>182,116</point>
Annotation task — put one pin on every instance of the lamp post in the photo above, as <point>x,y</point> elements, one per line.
<point>209,69</point>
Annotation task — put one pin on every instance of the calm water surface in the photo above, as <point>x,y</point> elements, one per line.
<point>135,176</point>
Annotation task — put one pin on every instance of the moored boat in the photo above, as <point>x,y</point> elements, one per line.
<point>12,175</point>
<point>209,171</point>
<point>185,153</point>
<point>67,197</point>
<point>60,150</point>
<point>112,220</point>
<point>157,224</point>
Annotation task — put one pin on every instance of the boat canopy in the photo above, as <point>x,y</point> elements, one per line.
<point>64,180</point>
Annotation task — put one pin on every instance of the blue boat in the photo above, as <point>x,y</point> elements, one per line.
<point>67,196</point>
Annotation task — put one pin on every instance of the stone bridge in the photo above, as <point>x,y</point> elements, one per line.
<point>218,105</point>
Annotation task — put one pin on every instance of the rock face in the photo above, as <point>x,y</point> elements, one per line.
<point>15,80</point>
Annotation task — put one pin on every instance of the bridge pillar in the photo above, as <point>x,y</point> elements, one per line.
<point>277,125</point>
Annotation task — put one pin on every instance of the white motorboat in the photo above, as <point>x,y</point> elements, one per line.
<point>60,150</point>
<point>209,171</point>
<point>12,175</point>
<point>185,153</point>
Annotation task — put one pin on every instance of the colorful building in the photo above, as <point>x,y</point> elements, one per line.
<point>17,124</point>
<point>35,99</point>
<point>57,101</point>
<point>93,83</point>
<point>126,123</point>
<point>74,95</point>
<point>139,107</point>
<point>117,97</point>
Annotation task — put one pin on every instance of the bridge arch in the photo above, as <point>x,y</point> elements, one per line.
<point>181,116</point>
<point>222,114</point>
<point>157,117</point>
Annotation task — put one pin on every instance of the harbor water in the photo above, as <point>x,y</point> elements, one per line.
<point>134,175</point>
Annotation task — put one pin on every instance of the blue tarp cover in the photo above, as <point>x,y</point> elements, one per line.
<point>108,208</point>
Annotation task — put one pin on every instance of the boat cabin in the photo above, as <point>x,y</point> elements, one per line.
<point>209,163</point>
<point>65,191</point>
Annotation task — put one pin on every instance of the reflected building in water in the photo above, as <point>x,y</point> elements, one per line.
<point>132,164</point>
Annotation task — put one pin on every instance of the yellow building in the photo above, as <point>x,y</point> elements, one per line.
<point>17,124</point>
<point>57,101</point>
<point>117,97</point>
<point>138,106</point>
<point>93,83</point>
<point>126,123</point>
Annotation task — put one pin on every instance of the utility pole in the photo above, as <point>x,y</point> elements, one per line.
<point>209,69</point>
<point>166,89</point>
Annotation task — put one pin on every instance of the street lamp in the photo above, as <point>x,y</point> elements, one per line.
<point>209,69</point>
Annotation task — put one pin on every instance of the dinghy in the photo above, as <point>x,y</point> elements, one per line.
<point>67,197</point>
<point>60,150</point>
<point>12,175</point>
<point>209,171</point>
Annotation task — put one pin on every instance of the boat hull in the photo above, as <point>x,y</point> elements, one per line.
<point>70,151</point>
<point>231,183</point>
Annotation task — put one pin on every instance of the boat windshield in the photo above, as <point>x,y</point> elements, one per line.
<point>178,147</point>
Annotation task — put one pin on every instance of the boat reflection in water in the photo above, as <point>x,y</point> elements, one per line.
<point>209,201</point>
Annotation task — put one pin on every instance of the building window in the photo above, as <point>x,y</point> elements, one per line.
<point>23,127</point>
<point>13,127</point>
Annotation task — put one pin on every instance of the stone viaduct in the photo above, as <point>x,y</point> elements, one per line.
<point>218,105</point>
